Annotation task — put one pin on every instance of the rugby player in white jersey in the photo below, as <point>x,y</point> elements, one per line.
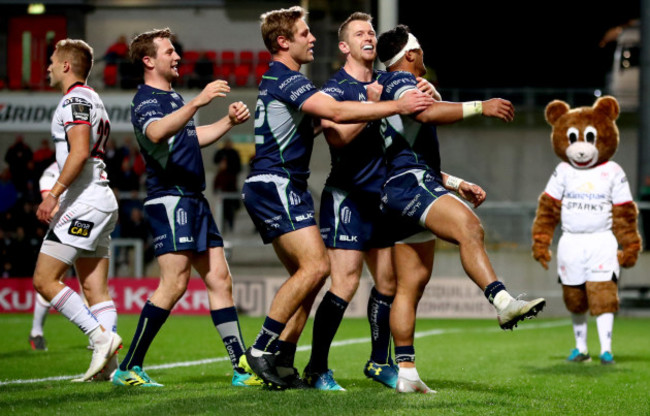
<point>80,230</point>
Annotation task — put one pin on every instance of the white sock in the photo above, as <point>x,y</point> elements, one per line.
<point>502,299</point>
<point>409,373</point>
<point>41,309</point>
<point>106,314</point>
<point>580,331</point>
<point>69,304</point>
<point>605,323</point>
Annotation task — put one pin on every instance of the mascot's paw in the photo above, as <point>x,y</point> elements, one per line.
<point>542,254</point>
<point>628,257</point>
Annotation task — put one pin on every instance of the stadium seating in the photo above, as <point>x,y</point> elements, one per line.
<point>246,58</point>
<point>187,64</point>
<point>242,75</point>
<point>227,65</point>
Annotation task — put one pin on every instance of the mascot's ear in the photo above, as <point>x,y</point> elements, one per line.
<point>608,106</point>
<point>554,110</point>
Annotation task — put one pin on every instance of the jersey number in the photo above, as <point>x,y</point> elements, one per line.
<point>103,131</point>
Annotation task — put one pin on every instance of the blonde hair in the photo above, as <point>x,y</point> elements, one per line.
<point>343,29</point>
<point>279,23</point>
<point>78,53</point>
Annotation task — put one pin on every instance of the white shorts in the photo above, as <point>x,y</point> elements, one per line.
<point>587,258</point>
<point>82,226</point>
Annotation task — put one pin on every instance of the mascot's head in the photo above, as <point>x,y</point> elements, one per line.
<point>584,136</point>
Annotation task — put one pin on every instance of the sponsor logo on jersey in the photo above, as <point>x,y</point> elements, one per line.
<point>145,102</point>
<point>80,112</point>
<point>80,228</point>
<point>294,199</point>
<point>289,81</point>
<point>304,217</point>
<point>348,238</point>
<point>346,215</point>
<point>76,100</point>
<point>295,94</point>
<point>186,239</point>
<point>181,216</point>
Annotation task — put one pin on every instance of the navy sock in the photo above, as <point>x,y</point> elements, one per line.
<point>379,319</point>
<point>267,338</point>
<point>405,353</point>
<point>326,322</point>
<point>287,354</point>
<point>227,324</point>
<point>151,320</point>
<point>492,289</point>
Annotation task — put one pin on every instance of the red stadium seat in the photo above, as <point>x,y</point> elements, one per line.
<point>263,57</point>
<point>186,67</point>
<point>246,58</point>
<point>227,64</point>
<point>242,75</point>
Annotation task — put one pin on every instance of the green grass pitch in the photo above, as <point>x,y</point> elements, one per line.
<point>476,368</point>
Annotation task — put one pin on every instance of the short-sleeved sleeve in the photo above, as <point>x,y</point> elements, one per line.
<point>145,112</point>
<point>621,192</point>
<point>556,184</point>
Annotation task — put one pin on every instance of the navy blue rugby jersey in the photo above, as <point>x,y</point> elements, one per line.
<point>359,165</point>
<point>409,143</point>
<point>284,135</point>
<point>174,166</point>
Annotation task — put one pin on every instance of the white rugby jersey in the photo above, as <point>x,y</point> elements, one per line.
<point>587,195</point>
<point>82,105</point>
<point>48,178</point>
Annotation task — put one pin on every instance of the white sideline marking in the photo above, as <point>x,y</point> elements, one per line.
<point>420,334</point>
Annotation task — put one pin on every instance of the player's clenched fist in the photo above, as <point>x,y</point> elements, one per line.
<point>238,112</point>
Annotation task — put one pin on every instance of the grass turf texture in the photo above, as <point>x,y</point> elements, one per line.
<point>476,368</point>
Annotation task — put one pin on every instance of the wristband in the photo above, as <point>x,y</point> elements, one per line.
<point>472,108</point>
<point>453,182</point>
<point>55,196</point>
<point>64,186</point>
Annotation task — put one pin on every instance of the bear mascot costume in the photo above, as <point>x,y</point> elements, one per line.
<point>590,195</point>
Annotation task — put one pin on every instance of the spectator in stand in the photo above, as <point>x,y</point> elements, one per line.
<point>8,193</point>
<point>228,164</point>
<point>135,226</point>
<point>178,46</point>
<point>117,51</point>
<point>113,161</point>
<point>25,253</point>
<point>43,156</point>
<point>17,157</point>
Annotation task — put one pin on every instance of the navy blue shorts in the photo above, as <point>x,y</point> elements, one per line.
<point>181,223</point>
<point>352,220</point>
<point>277,206</point>
<point>406,198</point>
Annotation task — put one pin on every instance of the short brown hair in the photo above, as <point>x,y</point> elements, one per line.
<point>142,45</point>
<point>364,17</point>
<point>279,23</point>
<point>78,53</point>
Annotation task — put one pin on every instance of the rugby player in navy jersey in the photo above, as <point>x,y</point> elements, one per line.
<point>420,207</point>
<point>184,231</point>
<point>350,218</point>
<point>275,193</point>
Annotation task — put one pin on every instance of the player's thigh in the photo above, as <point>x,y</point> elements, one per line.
<point>450,219</point>
<point>302,249</point>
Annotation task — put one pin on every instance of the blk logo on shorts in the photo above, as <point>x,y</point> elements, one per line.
<point>80,228</point>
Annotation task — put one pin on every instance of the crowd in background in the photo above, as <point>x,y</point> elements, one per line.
<point>21,233</point>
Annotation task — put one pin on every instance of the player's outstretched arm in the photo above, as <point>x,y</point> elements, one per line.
<point>324,106</point>
<point>445,112</point>
<point>237,113</point>
<point>172,123</point>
